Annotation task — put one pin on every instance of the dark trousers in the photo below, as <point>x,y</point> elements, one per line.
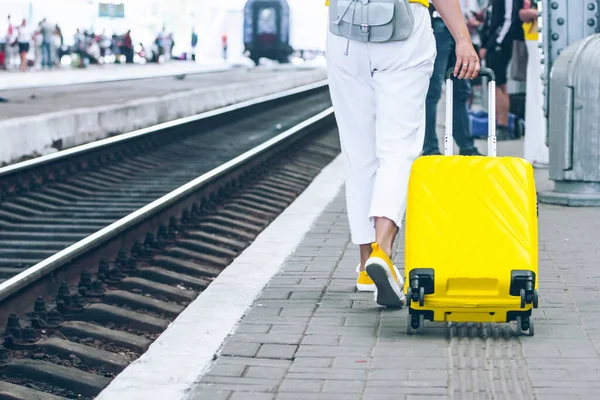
<point>446,58</point>
<point>46,48</point>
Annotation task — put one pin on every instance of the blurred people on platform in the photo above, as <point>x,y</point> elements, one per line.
<point>4,39</point>
<point>445,59</point>
<point>47,34</point>
<point>501,27</point>
<point>194,43</point>
<point>127,48</point>
<point>224,45</point>
<point>23,41</point>
<point>103,43</point>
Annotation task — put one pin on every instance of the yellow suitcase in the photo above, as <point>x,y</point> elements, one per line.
<point>471,250</point>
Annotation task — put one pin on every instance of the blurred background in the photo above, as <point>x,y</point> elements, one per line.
<point>154,23</point>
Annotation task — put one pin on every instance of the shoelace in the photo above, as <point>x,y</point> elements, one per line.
<point>352,2</point>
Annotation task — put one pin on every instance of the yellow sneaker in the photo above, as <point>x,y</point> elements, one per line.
<point>387,279</point>
<point>364,283</point>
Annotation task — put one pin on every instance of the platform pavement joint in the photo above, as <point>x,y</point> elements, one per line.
<point>311,336</point>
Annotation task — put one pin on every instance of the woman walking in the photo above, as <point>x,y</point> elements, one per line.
<point>23,41</point>
<point>378,90</point>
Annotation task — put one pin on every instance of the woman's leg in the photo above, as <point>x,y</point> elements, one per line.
<point>402,72</point>
<point>23,55</point>
<point>502,104</point>
<point>353,98</point>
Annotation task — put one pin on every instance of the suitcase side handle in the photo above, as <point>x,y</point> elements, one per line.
<point>448,144</point>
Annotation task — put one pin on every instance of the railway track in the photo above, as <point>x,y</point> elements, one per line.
<point>135,228</point>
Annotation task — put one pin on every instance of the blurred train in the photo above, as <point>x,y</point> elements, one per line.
<point>267,30</point>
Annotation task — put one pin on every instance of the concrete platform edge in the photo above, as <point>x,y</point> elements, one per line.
<point>40,135</point>
<point>180,356</point>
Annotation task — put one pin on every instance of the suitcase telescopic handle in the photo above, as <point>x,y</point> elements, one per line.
<point>448,144</point>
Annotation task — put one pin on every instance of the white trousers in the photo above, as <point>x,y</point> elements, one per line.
<point>535,123</point>
<point>378,93</point>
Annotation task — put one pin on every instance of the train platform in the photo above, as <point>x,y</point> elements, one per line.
<point>61,75</point>
<point>284,321</point>
<point>41,120</point>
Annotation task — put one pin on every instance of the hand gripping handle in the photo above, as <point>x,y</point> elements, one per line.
<point>448,145</point>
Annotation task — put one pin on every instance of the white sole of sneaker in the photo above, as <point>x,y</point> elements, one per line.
<point>361,287</point>
<point>365,288</point>
<point>388,293</point>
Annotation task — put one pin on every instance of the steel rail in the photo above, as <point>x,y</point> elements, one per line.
<point>21,281</point>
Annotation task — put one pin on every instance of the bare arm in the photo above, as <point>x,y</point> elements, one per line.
<point>528,15</point>
<point>467,61</point>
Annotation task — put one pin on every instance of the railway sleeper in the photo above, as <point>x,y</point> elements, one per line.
<point>283,187</point>
<point>173,278</point>
<point>172,293</point>
<point>82,330</point>
<point>292,174</point>
<point>186,254</point>
<point>217,239</point>
<point>19,210</point>
<point>187,267</point>
<point>271,194</point>
<point>233,222</point>
<point>42,236</point>
<point>83,186</point>
<point>27,253</point>
<point>138,301</point>
<point>32,244</point>
<point>307,165</point>
<point>256,205</point>
<point>106,360</point>
<point>54,228</point>
<point>103,313</point>
<point>10,391</point>
<point>71,220</point>
<point>240,208</point>
<point>107,210</point>
<point>230,231</point>
<point>280,177</point>
<point>244,217</point>
<point>73,379</point>
<point>9,217</point>
<point>16,263</point>
<point>46,198</point>
<point>284,184</point>
<point>200,245</point>
<point>70,187</point>
<point>278,205</point>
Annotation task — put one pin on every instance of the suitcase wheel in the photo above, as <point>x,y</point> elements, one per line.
<point>529,298</point>
<point>420,298</point>
<point>525,324</point>
<point>415,323</point>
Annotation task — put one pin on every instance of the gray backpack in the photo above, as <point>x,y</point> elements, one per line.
<point>371,20</point>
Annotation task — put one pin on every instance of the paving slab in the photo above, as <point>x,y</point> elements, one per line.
<point>349,347</point>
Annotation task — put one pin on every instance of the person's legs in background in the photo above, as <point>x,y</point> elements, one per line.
<point>461,127</point>
<point>46,54</point>
<point>445,59</point>
<point>444,45</point>
<point>498,59</point>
